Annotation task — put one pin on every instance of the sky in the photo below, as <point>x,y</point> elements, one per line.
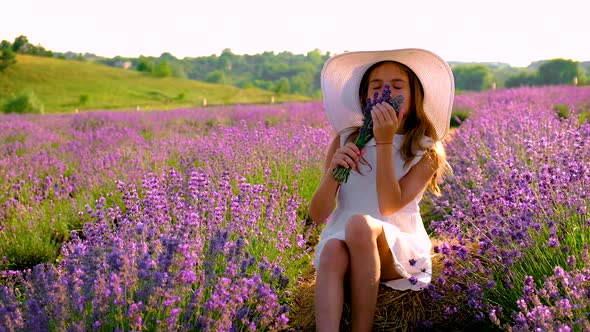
<point>516,32</point>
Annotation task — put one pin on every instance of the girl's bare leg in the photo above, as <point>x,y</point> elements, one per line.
<point>329,295</point>
<point>366,244</point>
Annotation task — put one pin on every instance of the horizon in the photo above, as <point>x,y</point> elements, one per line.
<point>457,30</point>
<point>264,51</point>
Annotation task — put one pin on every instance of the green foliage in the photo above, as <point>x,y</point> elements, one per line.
<point>265,85</point>
<point>558,71</point>
<point>25,102</point>
<point>268,71</point>
<point>583,118</point>
<point>20,44</point>
<point>144,65</point>
<point>522,79</point>
<point>83,100</point>
<point>458,116</point>
<point>226,59</point>
<point>540,261</point>
<point>472,77</point>
<point>216,76</point>
<point>59,83</point>
<point>315,57</point>
<point>562,111</point>
<point>283,86</point>
<point>7,58</point>
<point>5,44</point>
<point>272,72</point>
<point>162,69</point>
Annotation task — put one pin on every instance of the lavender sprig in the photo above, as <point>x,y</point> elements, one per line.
<point>366,131</point>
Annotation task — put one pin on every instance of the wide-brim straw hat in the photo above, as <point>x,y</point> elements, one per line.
<point>342,74</point>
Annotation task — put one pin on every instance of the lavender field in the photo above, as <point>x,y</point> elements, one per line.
<point>196,219</point>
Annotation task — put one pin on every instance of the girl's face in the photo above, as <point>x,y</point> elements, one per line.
<point>392,74</point>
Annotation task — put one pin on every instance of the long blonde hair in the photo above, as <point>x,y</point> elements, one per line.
<point>415,126</point>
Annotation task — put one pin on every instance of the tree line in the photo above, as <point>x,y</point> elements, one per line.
<point>477,77</point>
<point>284,72</point>
<point>290,73</point>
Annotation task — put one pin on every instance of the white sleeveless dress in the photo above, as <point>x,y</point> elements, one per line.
<point>404,230</point>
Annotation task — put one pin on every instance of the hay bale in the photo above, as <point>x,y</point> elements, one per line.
<point>396,310</point>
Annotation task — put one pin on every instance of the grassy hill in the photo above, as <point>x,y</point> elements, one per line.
<point>67,85</point>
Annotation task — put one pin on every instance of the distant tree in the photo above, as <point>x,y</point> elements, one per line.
<point>472,77</point>
<point>521,79</point>
<point>226,60</point>
<point>167,56</point>
<point>7,58</point>
<point>299,85</point>
<point>25,102</point>
<point>264,71</point>
<point>39,51</point>
<point>20,44</point>
<point>178,70</point>
<point>283,86</point>
<point>558,71</point>
<point>162,69</point>
<point>5,44</point>
<point>216,76</point>
<point>83,99</point>
<point>315,57</point>
<point>262,84</point>
<point>144,65</point>
<point>502,73</point>
<point>248,85</point>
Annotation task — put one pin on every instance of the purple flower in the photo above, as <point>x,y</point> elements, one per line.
<point>366,131</point>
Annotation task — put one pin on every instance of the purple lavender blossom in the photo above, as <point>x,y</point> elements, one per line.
<point>516,196</point>
<point>366,131</point>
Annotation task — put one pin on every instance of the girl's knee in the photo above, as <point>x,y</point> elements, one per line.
<point>361,231</point>
<point>334,256</point>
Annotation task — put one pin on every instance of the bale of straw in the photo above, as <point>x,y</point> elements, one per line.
<point>396,310</point>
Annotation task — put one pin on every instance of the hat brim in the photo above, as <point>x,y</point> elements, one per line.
<point>342,74</point>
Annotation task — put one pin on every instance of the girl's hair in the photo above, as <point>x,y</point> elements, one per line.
<point>415,125</point>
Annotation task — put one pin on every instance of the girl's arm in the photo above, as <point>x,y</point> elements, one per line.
<point>393,194</point>
<point>324,199</point>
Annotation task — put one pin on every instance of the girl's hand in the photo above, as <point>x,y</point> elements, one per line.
<point>346,156</point>
<point>385,122</point>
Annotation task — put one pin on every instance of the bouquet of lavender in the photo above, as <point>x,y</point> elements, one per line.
<point>366,131</point>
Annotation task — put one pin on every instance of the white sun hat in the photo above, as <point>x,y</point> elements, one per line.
<point>342,74</point>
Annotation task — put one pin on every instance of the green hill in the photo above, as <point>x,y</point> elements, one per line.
<point>69,85</point>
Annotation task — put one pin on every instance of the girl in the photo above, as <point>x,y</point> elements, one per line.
<point>374,231</point>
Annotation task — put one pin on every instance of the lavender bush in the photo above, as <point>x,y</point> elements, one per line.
<point>195,219</point>
<point>182,220</point>
<point>51,166</point>
<point>189,254</point>
<point>518,207</point>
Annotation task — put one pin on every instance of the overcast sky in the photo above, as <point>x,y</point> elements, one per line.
<point>517,32</point>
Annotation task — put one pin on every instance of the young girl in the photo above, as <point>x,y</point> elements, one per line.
<point>374,232</point>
